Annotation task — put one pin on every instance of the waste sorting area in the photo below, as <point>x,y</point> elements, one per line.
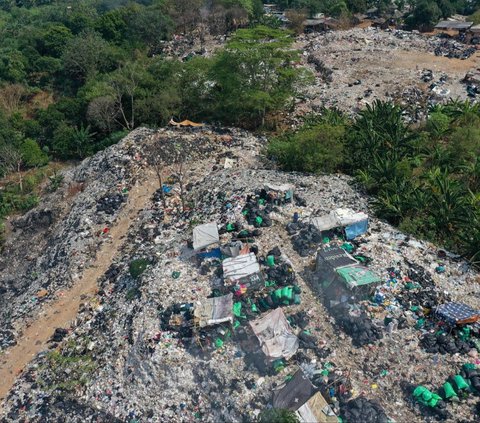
<point>260,290</point>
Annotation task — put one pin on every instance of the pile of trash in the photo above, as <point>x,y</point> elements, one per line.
<point>453,50</point>
<point>248,289</point>
<point>353,68</point>
<point>110,203</point>
<point>363,410</point>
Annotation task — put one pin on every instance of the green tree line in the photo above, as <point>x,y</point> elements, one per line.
<point>426,180</point>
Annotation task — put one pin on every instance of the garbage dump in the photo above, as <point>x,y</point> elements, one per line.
<point>220,329</point>
<point>362,410</point>
<point>355,67</point>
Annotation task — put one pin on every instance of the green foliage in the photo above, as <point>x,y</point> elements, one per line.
<point>438,124</point>
<point>137,267</point>
<point>53,40</point>
<point>475,18</point>
<point>85,55</point>
<point>251,78</point>
<point>132,294</point>
<point>427,182</point>
<point>314,149</point>
<point>32,155</point>
<point>56,181</point>
<point>69,369</point>
<point>425,15</point>
<point>277,415</point>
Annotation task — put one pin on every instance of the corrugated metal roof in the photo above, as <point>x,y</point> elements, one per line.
<point>453,25</point>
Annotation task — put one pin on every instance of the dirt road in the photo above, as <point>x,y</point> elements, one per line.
<point>64,309</point>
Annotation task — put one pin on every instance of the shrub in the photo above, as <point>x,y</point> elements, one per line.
<point>314,149</point>
<point>137,267</point>
<point>277,415</point>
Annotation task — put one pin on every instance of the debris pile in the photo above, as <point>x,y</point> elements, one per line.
<point>249,288</point>
<point>355,67</point>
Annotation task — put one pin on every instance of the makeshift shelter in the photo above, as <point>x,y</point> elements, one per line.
<point>339,276</point>
<point>355,224</point>
<point>275,335</point>
<point>316,410</point>
<point>457,313</point>
<point>356,276</point>
<point>212,311</point>
<point>294,393</point>
<point>185,124</point>
<point>236,268</point>
<point>299,395</point>
<point>205,235</point>
<point>453,25</point>
<point>329,260</point>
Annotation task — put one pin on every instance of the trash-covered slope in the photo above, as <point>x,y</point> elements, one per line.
<point>133,353</point>
<point>51,245</point>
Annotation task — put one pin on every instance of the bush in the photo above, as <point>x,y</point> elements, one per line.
<point>32,154</point>
<point>315,149</point>
<point>438,124</point>
<point>277,415</point>
<point>137,267</point>
<point>2,235</point>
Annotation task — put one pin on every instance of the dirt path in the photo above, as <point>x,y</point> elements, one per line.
<point>64,309</point>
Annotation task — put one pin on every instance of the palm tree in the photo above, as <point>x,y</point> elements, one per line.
<point>380,130</point>
<point>83,141</point>
<point>449,205</point>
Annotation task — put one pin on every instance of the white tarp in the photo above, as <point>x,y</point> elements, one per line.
<point>238,267</point>
<point>348,217</point>
<point>337,218</point>
<point>212,311</point>
<point>325,222</point>
<point>229,163</point>
<point>205,235</point>
<point>316,410</point>
<point>279,188</point>
<point>275,335</point>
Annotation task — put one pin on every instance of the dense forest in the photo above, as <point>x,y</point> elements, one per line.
<point>75,77</point>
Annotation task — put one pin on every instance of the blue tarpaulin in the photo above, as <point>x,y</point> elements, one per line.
<point>215,253</point>
<point>166,189</point>
<point>356,229</point>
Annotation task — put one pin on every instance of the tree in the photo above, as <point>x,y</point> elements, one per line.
<point>253,76</point>
<point>53,40</point>
<point>103,113</point>
<point>82,141</point>
<point>180,171</point>
<point>32,154</point>
<point>296,20</point>
<point>85,54</point>
<point>11,98</point>
<point>184,13</point>
<point>125,85</point>
<point>151,25</point>
<point>277,415</point>
<point>11,160</point>
<point>425,15</point>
